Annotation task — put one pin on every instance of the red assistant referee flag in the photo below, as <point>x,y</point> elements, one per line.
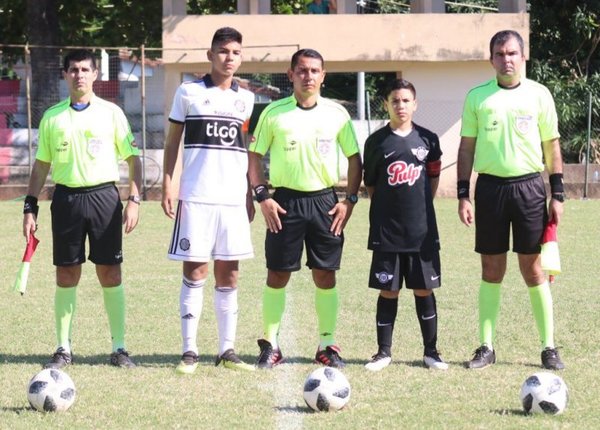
<point>549,255</point>
<point>23,273</point>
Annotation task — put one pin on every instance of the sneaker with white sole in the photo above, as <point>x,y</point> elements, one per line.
<point>230,360</point>
<point>188,363</point>
<point>379,361</point>
<point>433,360</point>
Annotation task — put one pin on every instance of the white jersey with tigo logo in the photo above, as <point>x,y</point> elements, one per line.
<point>215,159</point>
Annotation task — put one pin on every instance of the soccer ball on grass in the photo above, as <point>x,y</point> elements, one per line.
<point>51,390</point>
<point>544,392</point>
<point>326,389</point>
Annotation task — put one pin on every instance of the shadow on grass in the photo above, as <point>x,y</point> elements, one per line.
<point>151,360</point>
<point>295,409</point>
<point>517,412</point>
<point>17,409</point>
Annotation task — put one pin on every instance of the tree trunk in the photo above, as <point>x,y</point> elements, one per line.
<point>42,29</point>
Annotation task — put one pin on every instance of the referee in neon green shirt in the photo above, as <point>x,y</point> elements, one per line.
<point>306,135</point>
<point>83,138</point>
<point>509,135</point>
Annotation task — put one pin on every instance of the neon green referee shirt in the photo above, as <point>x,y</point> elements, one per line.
<point>84,147</point>
<point>510,126</point>
<point>304,144</point>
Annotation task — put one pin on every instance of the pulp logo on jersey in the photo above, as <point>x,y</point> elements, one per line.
<point>384,277</point>
<point>402,173</point>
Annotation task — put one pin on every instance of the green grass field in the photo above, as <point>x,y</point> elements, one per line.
<point>405,395</point>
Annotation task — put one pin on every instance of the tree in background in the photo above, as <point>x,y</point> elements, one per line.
<point>563,43</point>
<point>565,56</point>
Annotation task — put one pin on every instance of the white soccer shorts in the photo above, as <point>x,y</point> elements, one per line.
<point>205,232</point>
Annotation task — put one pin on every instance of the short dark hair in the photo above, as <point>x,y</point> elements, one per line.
<point>504,36</point>
<point>79,55</point>
<point>399,84</point>
<point>310,53</point>
<point>224,35</point>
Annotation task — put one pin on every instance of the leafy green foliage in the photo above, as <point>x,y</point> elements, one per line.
<point>565,38</point>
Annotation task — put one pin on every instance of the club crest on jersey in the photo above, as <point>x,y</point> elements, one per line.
<point>401,173</point>
<point>184,244</point>
<point>240,105</point>
<point>524,123</point>
<point>420,152</point>
<point>384,277</point>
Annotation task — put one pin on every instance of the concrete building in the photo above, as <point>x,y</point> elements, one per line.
<point>444,55</point>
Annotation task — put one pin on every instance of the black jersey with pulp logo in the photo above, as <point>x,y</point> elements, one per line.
<point>402,217</point>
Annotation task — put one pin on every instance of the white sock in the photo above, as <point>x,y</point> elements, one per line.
<point>226,312</point>
<point>190,309</point>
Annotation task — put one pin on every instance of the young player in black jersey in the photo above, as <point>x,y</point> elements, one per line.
<point>401,173</point>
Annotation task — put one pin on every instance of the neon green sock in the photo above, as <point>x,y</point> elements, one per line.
<point>326,305</point>
<point>273,307</point>
<point>541,304</point>
<point>489,307</point>
<point>65,300</point>
<point>114,303</point>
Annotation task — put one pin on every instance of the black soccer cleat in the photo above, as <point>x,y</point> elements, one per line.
<point>551,360</point>
<point>268,357</point>
<point>120,358</point>
<point>330,356</point>
<point>60,359</point>
<point>482,358</point>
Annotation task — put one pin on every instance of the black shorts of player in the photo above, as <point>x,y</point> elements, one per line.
<point>306,222</point>
<point>419,270</point>
<point>92,212</point>
<point>500,203</point>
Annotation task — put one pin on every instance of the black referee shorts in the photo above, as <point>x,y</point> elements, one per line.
<point>504,202</point>
<point>306,222</point>
<point>92,212</point>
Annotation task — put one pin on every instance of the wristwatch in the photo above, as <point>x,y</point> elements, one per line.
<point>352,198</point>
<point>134,199</point>
<point>559,197</point>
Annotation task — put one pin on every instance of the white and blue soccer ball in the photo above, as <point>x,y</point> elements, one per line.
<point>326,389</point>
<point>51,390</point>
<point>544,393</point>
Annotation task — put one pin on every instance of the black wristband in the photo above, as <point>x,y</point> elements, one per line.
<point>262,193</point>
<point>556,183</point>
<point>31,205</point>
<point>463,189</point>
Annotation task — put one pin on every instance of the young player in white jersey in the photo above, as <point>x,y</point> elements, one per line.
<point>212,220</point>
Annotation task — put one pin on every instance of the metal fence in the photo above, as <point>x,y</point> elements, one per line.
<point>139,91</point>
